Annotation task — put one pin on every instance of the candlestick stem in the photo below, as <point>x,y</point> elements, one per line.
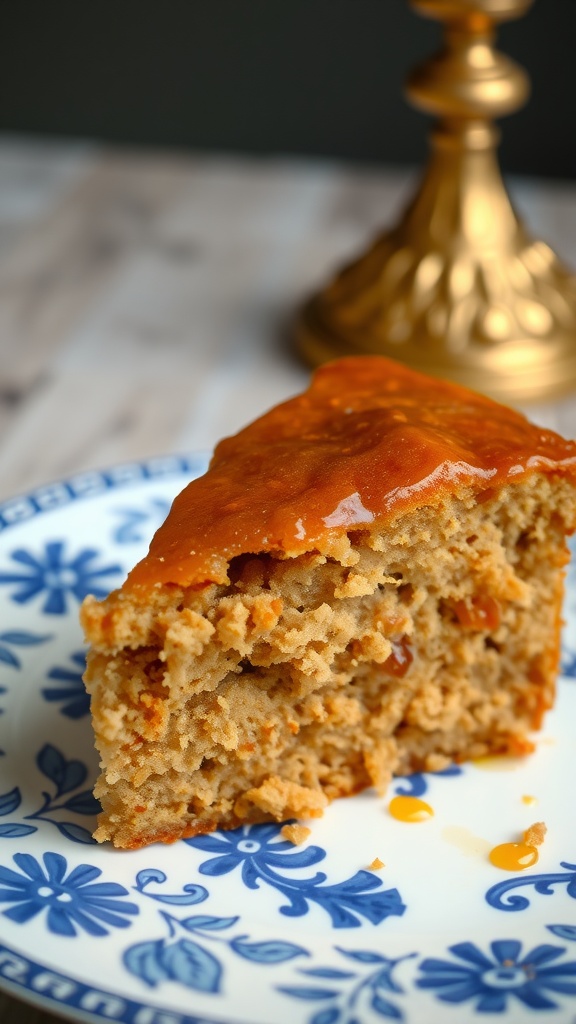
<point>458,288</point>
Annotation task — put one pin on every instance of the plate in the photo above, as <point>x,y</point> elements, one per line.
<point>243,927</point>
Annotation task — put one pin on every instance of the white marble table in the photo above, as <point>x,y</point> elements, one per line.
<point>146,300</point>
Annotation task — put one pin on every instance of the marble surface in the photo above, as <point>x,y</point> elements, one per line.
<point>146,300</point>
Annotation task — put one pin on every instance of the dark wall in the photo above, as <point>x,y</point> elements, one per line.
<point>292,76</point>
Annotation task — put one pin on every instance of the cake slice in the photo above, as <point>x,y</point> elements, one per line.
<point>368,580</point>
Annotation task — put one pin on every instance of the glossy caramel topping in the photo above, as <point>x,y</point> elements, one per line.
<point>369,439</point>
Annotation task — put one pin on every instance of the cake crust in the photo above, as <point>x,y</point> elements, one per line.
<point>367,580</point>
<point>368,440</point>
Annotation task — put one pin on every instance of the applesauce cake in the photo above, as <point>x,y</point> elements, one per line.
<point>368,580</point>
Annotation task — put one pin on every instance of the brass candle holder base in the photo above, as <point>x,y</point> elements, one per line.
<point>458,289</point>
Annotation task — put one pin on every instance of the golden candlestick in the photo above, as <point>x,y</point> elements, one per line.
<point>458,289</point>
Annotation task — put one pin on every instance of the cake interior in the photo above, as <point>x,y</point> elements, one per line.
<point>398,649</point>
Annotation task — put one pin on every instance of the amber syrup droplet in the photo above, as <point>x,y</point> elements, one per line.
<point>480,613</point>
<point>513,856</point>
<point>410,808</point>
<point>398,663</point>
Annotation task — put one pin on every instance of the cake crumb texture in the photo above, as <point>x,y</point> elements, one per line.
<point>409,644</point>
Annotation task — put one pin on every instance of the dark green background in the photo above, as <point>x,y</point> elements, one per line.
<point>319,77</point>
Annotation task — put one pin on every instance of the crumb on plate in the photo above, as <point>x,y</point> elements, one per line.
<point>534,836</point>
<point>376,864</point>
<point>295,833</point>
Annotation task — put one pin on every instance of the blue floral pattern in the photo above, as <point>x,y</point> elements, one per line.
<point>18,638</point>
<point>133,519</point>
<point>507,974</point>
<point>261,853</point>
<point>71,692</point>
<point>67,777</point>
<point>3,690</point>
<point>499,898</point>
<point>56,575</point>
<point>569,664</point>
<point>417,783</point>
<point>71,900</point>
<point>187,960</point>
<point>365,984</point>
<point>567,932</point>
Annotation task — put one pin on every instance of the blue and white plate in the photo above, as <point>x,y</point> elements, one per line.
<point>242,927</point>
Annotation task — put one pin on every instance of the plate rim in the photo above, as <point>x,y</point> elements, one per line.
<point>50,1003</point>
<point>47,498</point>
